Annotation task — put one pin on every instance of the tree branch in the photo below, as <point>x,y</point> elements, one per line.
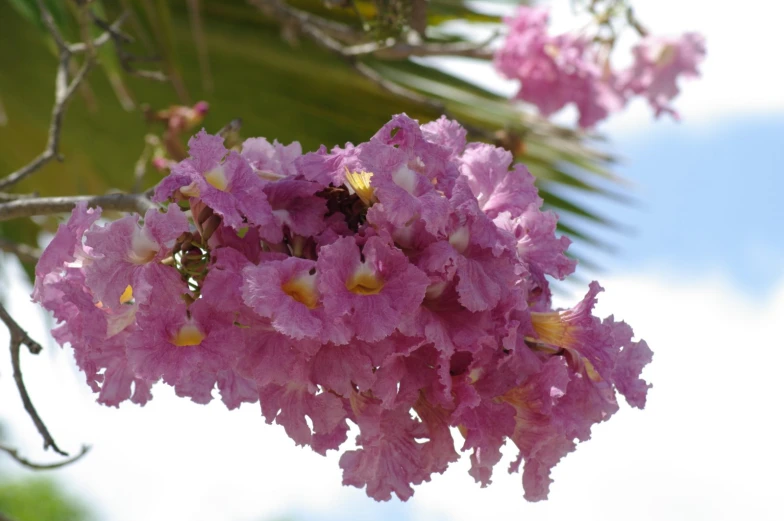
<point>395,50</point>
<point>20,337</point>
<point>63,93</point>
<point>29,207</point>
<point>304,22</point>
<point>42,466</point>
<point>125,58</point>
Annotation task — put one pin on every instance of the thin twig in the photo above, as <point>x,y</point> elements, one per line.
<point>50,205</point>
<point>20,337</point>
<point>63,93</point>
<point>80,47</point>
<point>126,58</point>
<point>50,24</point>
<point>105,37</point>
<point>42,466</point>
<point>402,51</point>
<point>23,251</point>
<point>287,14</point>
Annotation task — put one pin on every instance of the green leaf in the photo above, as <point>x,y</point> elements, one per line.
<point>29,11</point>
<point>285,90</point>
<point>37,499</point>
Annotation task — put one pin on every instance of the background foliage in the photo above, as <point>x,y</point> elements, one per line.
<point>281,84</point>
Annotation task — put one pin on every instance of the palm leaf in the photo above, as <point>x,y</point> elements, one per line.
<point>289,90</point>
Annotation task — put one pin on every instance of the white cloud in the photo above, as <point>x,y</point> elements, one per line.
<point>741,76</point>
<point>707,446</point>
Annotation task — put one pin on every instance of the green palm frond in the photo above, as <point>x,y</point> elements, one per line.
<point>282,85</point>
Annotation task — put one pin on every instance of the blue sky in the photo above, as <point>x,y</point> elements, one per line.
<point>708,199</point>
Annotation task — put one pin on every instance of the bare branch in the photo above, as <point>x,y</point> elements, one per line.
<point>105,37</point>
<point>80,47</point>
<point>50,205</point>
<point>20,337</point>
<point>393,50</point>
<point>125,58</point>
<point>48,20</point>
<point>304,22</point>
<point>42,466</point>
<point>63,93</point>
<point>23,251</point>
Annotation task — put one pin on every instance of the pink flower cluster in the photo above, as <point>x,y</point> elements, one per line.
<point>572,68</point>
<point>398,285</point>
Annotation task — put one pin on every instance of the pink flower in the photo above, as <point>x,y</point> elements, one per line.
<point>658,62</point>
<point>186,347</point>
<point>556,70</point>
<point>590,342</point>
<point>629,364</point>
<point>495,188</point>
<point>271,161</point>
<point>389,458</point>
<point>400,284</point>
<point>295,209</point>
<point>537,245</point>
<point>474,251</point>
<point>371,287</point>
<point>65,248</point>
<point>448,133</point>
<point>97,335</point>
<point>286,292</point>
<point>127,255</point>
<point>229,187</point>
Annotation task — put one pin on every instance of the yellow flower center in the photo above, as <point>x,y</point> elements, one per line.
<point>127,295</point>
<point>217,178</point>
<point>364,281</point>
<point>551,329</point>
<point>359,182</point>
<point>188,335</point>
<point>302,288</point>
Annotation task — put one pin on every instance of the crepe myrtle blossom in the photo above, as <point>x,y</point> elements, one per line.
<point>658,63</point>
<point>573,68</point>
<point>555,71</point>
<point>399,285</point>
